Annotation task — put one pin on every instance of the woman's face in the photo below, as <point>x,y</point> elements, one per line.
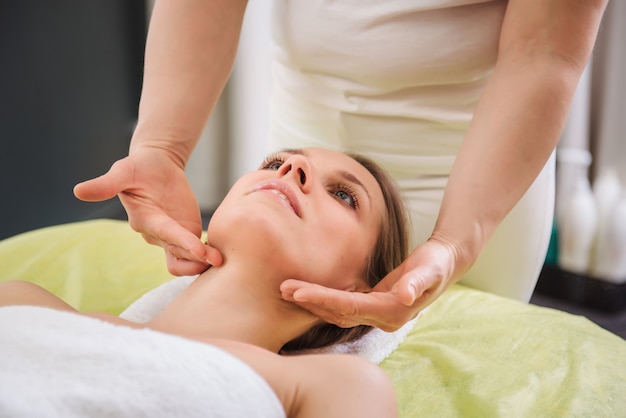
<point>309,214</point>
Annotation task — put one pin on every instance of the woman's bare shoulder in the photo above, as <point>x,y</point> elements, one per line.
<point>321,385</point>
<point>18,292</point>
<point>344,385</point>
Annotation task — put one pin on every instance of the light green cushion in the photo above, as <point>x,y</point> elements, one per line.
<point>471,354</point>
<point>99,265</point>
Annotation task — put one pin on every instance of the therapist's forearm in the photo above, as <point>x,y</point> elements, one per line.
<point>515,129</point>
<point>190,51</point>
<point>543,49</point>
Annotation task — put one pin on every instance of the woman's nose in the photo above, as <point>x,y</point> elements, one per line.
<point>298,168</point>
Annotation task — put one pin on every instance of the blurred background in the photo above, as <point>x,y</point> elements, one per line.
<point>69,87</point>
<point>70,80</point>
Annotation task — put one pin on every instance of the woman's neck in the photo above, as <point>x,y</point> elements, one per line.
<point>237,303</point>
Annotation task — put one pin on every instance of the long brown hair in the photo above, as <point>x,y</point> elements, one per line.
<point>390,250</point>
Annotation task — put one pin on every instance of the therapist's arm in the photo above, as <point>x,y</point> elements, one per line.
<point>190,51</point>
<point>543,50</point>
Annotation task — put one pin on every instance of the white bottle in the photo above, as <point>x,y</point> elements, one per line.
<point>571,163</point>
<point>577,228</point>
<point>606,191</point>
<point>612,267</point>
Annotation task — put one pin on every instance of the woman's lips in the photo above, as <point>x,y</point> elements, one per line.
<point>283,192</point>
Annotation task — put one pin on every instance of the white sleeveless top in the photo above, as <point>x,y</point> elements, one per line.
<point>397,80</point>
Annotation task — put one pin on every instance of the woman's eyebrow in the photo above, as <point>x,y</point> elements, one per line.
<point>297,151</point>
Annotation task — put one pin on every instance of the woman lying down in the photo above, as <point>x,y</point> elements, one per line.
<point>309,214</point>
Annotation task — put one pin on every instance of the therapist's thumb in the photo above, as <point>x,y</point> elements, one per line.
<point>410,287</point>
<point>103,187</point>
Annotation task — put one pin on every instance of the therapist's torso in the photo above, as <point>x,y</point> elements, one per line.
<point>397,80</point>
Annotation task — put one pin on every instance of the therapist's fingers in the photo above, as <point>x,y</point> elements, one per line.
<point>179,266</point>
<point>347,309</point>
<point>396,299</point>
<point>186,254</point>
<point>159,229</point>
<point>213,256</point>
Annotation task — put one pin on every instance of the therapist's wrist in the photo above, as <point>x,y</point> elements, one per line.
<point>175,148</point>
<point>463,250</point>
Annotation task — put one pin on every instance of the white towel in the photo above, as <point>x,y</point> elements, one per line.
<point>60,364</point>
<point>374,346</point>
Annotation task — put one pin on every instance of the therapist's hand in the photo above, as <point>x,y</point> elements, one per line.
<point>396,299</point>
<point>160,205</point>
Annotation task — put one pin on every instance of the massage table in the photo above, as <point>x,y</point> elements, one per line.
<point>470,354</point>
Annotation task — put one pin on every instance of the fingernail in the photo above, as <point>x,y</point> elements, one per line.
<point>299,297</point>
